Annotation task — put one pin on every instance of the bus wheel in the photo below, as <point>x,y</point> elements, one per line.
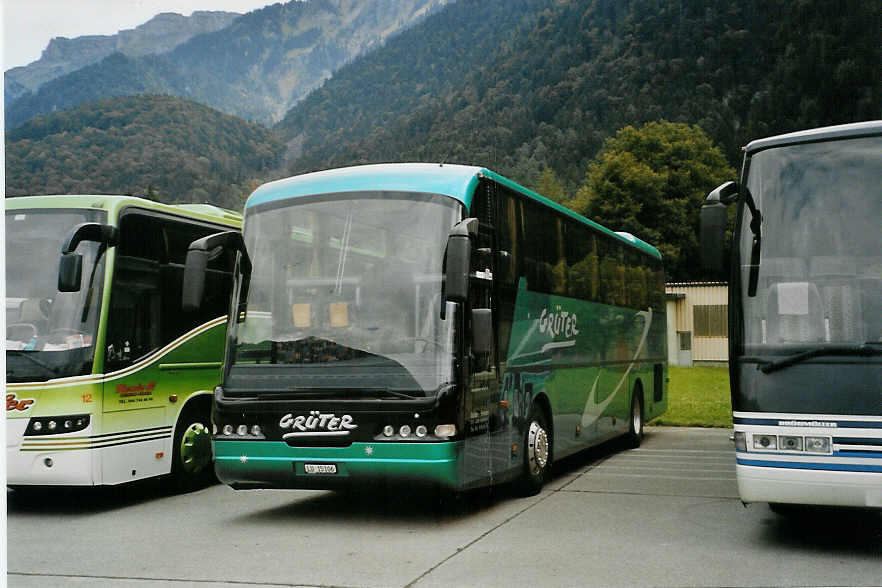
<point>635,427</point>
<point>537,453</point>
<point>192,463</point>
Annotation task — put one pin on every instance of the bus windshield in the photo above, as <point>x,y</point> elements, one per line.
<point>345,296</point>
<point>820,274</point>
<point>49,334</point>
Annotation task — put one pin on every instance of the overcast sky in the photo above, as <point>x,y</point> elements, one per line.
<point>28,25</point>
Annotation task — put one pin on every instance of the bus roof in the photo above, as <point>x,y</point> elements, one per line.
<point>113,205</point>
<point>849,131</point>
<point>455,181</point>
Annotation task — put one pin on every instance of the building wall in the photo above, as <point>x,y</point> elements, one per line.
<point>697,315</point>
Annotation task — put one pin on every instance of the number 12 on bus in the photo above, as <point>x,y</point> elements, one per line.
<point>427,323</point>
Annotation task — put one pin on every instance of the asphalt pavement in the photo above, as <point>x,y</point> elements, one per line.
<point>666,514</point>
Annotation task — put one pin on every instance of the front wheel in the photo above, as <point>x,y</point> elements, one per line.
<point>635,427</point>
<point>537,453</point>
<point>192,459</point>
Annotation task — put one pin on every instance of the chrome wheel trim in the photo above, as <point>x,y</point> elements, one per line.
<point>195,449</point>
<point>637,416</point>
<point>537,448</point>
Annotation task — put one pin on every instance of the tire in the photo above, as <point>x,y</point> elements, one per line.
<point>192,457</point>
<point>635,422</point>
<point>537,453</point>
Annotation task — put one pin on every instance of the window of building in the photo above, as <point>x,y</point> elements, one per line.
<point>710,320</point>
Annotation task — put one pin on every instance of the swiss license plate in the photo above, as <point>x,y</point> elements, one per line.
<point>320,468</point>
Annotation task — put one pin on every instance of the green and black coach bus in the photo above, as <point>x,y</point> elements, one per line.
<point>427,323</point>
<point>108,380</point>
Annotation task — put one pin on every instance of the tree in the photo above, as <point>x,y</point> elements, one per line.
<point>550,187</point>
<point>651,182</point>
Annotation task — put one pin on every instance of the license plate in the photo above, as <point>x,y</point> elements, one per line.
<point>320,468</point>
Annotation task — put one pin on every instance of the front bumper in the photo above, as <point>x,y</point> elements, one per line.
<point>275,464</point>
<point>51,460</point>
<point>809,486</point>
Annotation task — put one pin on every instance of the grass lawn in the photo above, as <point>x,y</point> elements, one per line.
<point>697,397</point>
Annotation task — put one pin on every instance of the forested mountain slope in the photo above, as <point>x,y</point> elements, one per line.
<point>161,147</point>
<point>523,85</point>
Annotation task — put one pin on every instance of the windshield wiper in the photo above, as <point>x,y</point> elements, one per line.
<point>378,393</point>
<point>867,349</point>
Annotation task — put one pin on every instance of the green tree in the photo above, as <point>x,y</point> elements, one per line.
<point>651,182</point>
<point>550,187</point>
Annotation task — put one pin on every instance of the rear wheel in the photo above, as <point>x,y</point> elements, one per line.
<point>192,459</point>
<point>537,453</point>
<point>635,427</point>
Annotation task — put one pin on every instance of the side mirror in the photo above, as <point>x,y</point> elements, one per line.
<point>482,331</point>
<point>199,254</point>
<point>70,268</point>
<point>70,272</point>
<point>456,260</point>
<point>713,219</point>
<point>194,280</point>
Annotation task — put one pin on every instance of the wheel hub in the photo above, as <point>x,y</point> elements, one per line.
<point>537,448</point>
<point>195,448</point>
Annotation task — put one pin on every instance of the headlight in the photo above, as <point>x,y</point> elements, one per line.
<point>445,431</point>
<point>765,442</point>
<point>817,444</point>
<point>57,424</point>
<point>788,443</point>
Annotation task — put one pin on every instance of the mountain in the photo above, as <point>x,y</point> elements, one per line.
<point>160,34</point>
<point>522,86</point>
<point>164,147</point>
<point>256,68</point>
<point>530,88</point>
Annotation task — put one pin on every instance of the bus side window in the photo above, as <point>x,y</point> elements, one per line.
<point>145,301</point>
<point>133,330</point>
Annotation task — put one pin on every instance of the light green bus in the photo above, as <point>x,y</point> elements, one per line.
<point>108,379</point>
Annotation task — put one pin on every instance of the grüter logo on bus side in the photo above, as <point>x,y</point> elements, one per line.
<point>558,322</point>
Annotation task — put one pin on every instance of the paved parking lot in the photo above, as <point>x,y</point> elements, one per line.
<point>666,514</point>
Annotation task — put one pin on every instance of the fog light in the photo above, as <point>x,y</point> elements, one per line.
<point>228,429</point>
<point>740,441</point>
<point>48,462</point>
<point>242,430</point>
<point>404,431</point>
<point>444,431</point>
<point>765,442</point>
<point>421,431</point>
<point>388,430</point>
<point>790,443</point>
<point>817,444</point>
<point>255,430</point>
